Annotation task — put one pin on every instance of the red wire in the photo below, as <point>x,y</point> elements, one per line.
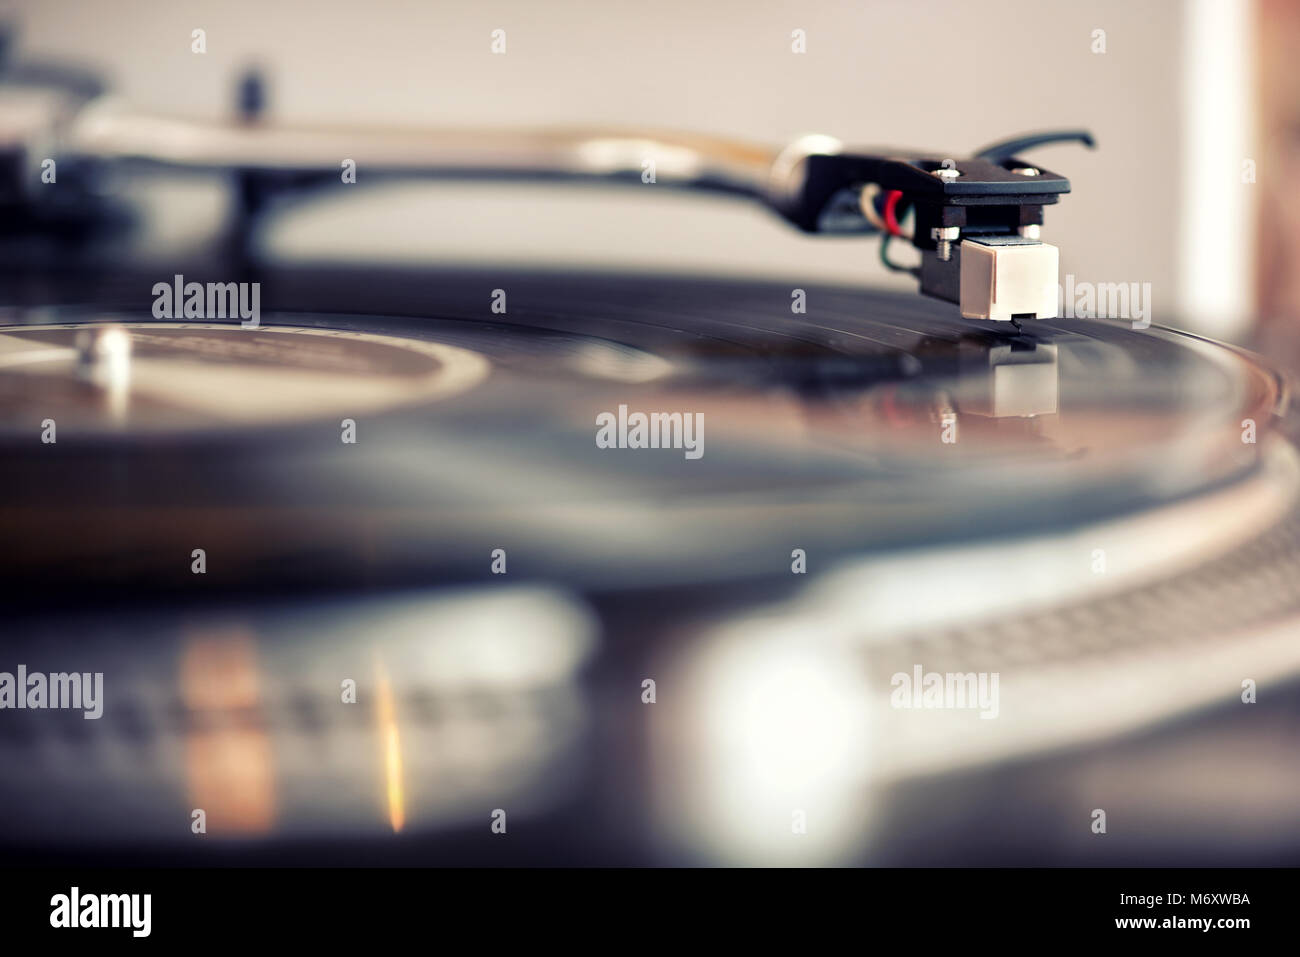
<point>891,205</point>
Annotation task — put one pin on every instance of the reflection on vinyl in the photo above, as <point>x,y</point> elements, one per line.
<point>387,457</point>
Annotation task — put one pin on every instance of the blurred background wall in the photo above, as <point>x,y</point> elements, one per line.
<point>946,75</point>
<point>1279,150</point>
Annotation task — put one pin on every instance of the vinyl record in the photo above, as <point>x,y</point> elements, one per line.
<point>325,442</point>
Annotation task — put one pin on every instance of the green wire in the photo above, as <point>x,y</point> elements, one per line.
<point>890,264</point>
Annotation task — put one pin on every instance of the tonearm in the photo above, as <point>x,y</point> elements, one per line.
<point>975,220</point>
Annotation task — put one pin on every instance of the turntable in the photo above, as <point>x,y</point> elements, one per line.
<point>625,567</point>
